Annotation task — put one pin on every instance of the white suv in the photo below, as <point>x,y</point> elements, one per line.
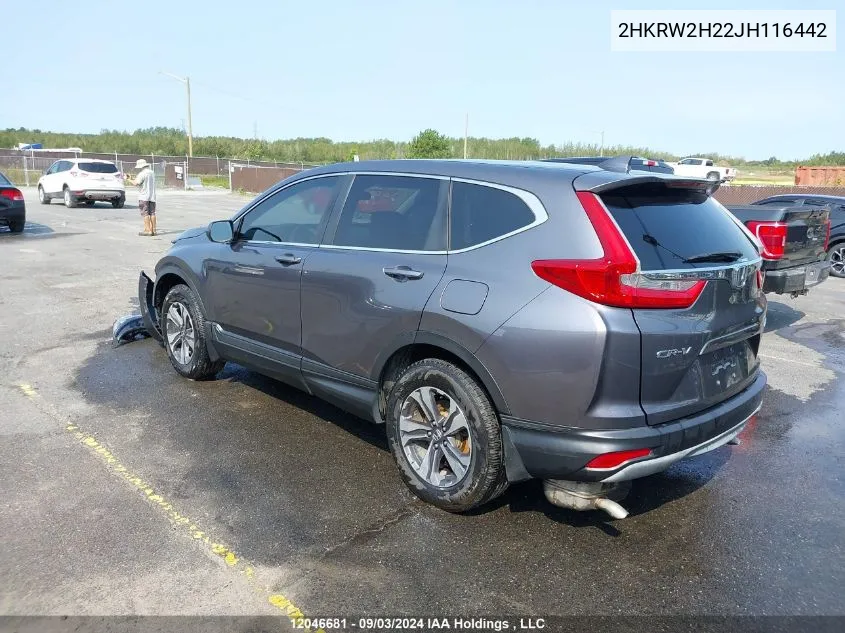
<point>85,180</point>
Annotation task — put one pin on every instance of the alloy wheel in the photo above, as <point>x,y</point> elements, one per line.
<point>837,260</point>
<point>181,334</point>
<point>435,437</point>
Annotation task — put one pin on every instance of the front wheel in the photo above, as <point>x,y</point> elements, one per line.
<point>836,256</point>
<point>70,201</point>
<point>183,327</point>
<point>445,436</point>
<point>43,198</point>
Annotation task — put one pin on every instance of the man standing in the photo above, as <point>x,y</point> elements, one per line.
<point>146,180</point>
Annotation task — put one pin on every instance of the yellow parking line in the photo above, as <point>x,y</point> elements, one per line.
<point>230,558</point>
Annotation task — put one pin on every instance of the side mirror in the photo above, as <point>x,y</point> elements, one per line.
<point>222,231</point>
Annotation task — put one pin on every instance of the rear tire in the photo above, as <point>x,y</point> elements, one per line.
<point>453,459</point>
<point>118,204</point>
<point>70,201</point>
<point>836,257</point>
<point>183,330</point>
<point>43,198</point>
<point>16,226</point>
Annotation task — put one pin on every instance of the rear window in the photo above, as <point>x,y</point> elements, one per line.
<point>98,168</point>
<point>4,181</point>
<point>666,226</point>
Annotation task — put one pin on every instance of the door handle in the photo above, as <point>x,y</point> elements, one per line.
<point>288,259</point>
<point>403,273</point>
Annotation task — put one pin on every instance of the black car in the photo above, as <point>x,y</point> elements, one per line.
<point>12,206</point>
<point>836,204</point>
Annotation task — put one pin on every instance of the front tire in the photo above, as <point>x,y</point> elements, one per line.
<point>445,436</point>
<point>183,329</point>
<point>70,201</point>
<point>43,198</point>
<point>836,257</point>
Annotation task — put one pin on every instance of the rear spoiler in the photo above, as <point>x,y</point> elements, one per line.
<point>605,180</point>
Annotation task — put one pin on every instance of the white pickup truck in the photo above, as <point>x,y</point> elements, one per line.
<point>703,168</point>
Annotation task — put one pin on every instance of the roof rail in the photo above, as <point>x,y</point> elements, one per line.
<point>621,164</point>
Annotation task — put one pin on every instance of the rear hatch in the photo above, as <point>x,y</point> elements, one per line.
<point>700,347</point>
<point>791,236</point>
<point>96,175</point>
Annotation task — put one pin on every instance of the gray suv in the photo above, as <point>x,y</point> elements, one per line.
<point>505,320</point>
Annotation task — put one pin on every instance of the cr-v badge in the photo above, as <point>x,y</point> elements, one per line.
<point>668,353</point>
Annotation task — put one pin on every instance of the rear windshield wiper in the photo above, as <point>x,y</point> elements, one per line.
<point>727,256</point>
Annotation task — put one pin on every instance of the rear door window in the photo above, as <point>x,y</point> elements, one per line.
<point>404,213</point>
<point>667,226</point>
<point>480,214</point>
<point>98,168</point>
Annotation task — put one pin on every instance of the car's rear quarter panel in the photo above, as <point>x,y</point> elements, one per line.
<point>544,347</point>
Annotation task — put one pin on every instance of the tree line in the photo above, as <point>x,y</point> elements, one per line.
<point>172,142</point>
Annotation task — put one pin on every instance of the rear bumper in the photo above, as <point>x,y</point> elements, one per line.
<point>546,452</point>
<point>98,194</point>
<point>797,278</point>
<point>13,212</point>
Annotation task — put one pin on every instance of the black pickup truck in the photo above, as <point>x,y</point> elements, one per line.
<point>794,243</point>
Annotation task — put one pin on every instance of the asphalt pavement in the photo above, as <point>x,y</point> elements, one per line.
<point>129,490</point>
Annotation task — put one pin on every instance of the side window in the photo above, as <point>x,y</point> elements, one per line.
<point>65,165</point>
<point>53,168</point>
<point>481,213</point>
<point>295,214</point>
<point>709,163</point>
<point>393,212</point>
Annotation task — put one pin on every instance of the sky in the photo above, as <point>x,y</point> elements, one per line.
<point>373,69</point>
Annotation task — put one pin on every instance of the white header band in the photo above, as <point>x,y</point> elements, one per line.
<point>723,31</point>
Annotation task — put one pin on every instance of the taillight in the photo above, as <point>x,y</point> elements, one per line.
<point>610,461</point>
<point>772,236</point>
<point>11,194</point>
<point>614,279</point>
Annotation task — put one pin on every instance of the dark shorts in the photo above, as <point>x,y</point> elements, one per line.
<point>147,207</point>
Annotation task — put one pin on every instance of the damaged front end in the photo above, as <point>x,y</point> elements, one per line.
<point>136,326</point>
<point>146,300</point>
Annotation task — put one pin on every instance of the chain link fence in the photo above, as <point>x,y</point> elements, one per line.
<point>24,168</point>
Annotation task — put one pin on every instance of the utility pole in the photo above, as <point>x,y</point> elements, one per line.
<point>187,82</point>
<point>601,151</point>
<point>466,134</point>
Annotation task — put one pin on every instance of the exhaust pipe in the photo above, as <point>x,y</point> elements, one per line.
<point>581,496</point>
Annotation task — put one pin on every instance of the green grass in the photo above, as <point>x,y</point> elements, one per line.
<point>19,179</point>
<point>214,181</point>
<point>763,176</point>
